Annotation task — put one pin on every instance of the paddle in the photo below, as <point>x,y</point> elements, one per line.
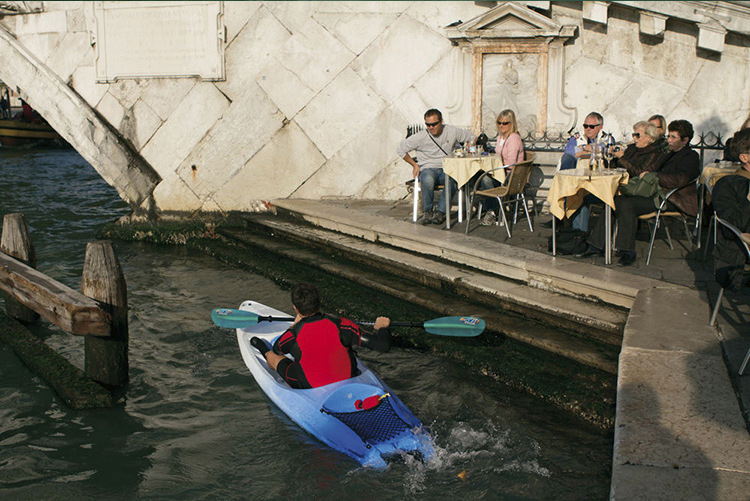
<point>444,326</point>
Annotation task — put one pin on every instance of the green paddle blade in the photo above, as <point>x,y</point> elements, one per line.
<point>455,326</point>
<point>233,319</point>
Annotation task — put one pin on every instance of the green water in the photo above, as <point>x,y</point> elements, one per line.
<point>194,424</point>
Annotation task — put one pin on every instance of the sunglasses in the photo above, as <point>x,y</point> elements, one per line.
<point>433,124</point>
<point>588,126</point>
<point>637,135</point>
<point>503,123</point>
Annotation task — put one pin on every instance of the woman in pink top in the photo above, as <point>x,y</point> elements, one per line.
<point>509,144</point>
<point>510,148</point>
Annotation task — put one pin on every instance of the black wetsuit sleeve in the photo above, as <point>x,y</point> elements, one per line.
<point>380,340</point>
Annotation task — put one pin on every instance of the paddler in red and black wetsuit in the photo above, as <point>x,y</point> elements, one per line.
<point>322,345</point>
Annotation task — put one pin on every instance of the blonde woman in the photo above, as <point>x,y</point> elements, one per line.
<point>509,144</point>
<point>509,147</point>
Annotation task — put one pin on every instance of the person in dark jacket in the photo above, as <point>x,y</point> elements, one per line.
<point>679,168</point>
<point>731,201</point>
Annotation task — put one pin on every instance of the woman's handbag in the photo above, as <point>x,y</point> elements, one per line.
<point>646,186</point>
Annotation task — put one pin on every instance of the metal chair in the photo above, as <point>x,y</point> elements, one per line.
<point>514,187</point>
<point>717,306</point>
<point>662,212</point>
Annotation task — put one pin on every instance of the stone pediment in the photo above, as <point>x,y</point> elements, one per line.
<point>509,20</point>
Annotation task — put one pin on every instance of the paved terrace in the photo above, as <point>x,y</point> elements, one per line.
<point>679,431</point>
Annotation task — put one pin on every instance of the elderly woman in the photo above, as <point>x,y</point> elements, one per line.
<point>676,169</point>
<point>509,148</point>
<point>643,154</point>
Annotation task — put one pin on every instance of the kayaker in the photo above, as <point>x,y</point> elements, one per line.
<point>322,345</point>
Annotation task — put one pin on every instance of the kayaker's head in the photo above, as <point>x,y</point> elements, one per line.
<point>306,299</point>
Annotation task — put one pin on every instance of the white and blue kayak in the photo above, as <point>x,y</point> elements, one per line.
<point>359,416</point>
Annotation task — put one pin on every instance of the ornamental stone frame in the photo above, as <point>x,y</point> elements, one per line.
<point>518,62</point>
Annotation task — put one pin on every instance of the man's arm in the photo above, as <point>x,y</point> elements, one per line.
<point>413,163</point>
<point>730,198</point>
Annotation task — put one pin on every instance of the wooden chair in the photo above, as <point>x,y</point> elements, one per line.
<point>660,213</point>
<point>514,187</point>
<point>743,244</point>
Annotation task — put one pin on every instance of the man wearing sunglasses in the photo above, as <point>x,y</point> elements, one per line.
<point>432,144</point>
<point>580,146</point>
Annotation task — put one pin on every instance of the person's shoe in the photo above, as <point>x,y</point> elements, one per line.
<point>427,217</point>
<point>489,218</point>
<point>546,224</point>
<point>259,345</point>
<point>438,218</point>
<point>590,252</point>
<point>627,258</point>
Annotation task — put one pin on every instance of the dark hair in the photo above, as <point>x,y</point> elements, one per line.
<point>596,115</point>
<point>741,143</point>
<point>433,111</point>
<point>682,127</point>
<point>306,299</point>
<point>661,120</point>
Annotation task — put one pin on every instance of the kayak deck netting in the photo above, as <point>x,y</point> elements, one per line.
<point>374,426</point>
<point>330,412</point>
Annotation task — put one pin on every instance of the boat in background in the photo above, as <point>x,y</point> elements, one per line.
<point>19,133</point>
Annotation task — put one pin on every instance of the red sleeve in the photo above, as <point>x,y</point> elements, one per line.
<point>349,333</point>
<point>284,343</point>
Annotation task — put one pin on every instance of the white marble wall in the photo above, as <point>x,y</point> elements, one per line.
<point>318,94</point>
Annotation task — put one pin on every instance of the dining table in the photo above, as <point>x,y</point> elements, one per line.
<point>568,189</point>
<point>711,173</point>
<point>461,169</point>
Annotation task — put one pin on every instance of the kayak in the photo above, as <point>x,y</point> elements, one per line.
<point>359,416</point>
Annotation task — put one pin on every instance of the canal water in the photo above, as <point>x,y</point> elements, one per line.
<point>194,425</point>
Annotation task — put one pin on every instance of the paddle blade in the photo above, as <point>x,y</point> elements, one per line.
<point>455,326</point>
<point>233,319</point>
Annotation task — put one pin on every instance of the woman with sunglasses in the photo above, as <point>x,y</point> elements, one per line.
<point>643,154</point>
<point>509,148</point>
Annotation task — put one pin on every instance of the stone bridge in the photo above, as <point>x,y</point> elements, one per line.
<point>212,107</point>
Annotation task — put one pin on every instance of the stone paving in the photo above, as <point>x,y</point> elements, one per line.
<point>679,431</point>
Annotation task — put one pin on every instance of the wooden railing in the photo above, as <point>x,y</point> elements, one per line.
<point>98,312</point>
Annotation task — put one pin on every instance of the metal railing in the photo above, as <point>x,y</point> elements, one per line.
<point>551,141</point>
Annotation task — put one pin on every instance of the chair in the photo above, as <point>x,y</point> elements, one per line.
<point>662,212</point>
<point>514,187</point>
<point>717,306</point>
<point>412,185</point>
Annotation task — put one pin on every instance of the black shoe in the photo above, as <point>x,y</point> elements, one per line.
<point>591,251</point>
<point>438,218</point>
<point>626,259</point>
<point>427,217</point>
<point>546,224</point>
<point>259,345</point>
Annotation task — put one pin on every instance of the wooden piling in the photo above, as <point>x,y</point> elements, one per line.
<point>16,242</point>
<point>103,280</point>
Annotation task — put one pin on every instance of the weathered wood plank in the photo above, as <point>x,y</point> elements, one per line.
<point>68,309</point>
<point>69,381</point>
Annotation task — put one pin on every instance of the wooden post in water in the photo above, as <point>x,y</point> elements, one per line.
<point>103,280</point>
<point>16,242</point>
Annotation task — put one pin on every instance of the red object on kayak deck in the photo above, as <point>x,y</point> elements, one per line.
<point>368,403</point>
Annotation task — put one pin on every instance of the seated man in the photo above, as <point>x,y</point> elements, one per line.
<point>680,166</point>
<point>322,345</point>
<point>432,145</point>
<point>579,147</point>
<point>731,201</point>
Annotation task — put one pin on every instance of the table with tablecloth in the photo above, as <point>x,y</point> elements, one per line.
<point>570,187</point>
<point>462,169</point>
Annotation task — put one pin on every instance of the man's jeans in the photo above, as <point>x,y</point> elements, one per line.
<point>428,179</point>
